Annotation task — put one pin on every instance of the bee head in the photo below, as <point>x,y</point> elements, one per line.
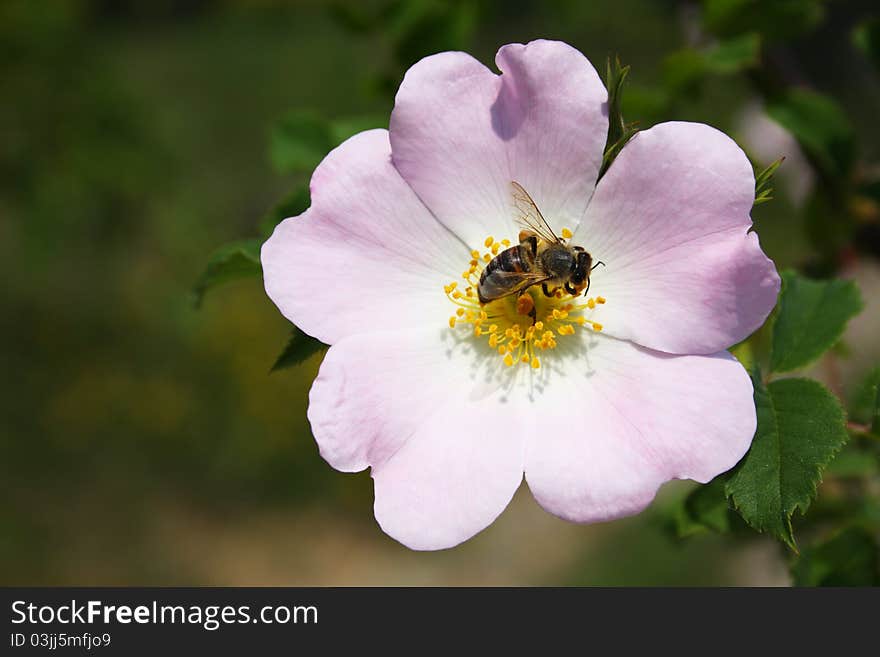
<point>580,268</point>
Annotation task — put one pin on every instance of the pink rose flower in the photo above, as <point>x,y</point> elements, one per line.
<point>598,400</point>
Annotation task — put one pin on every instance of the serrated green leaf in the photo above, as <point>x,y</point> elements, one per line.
<point>820,126</point>
<point>849,558</point>
<point>800,427</point>
<point>763,190</point>
<point>298,348</point>
<point>811,318</point>
<point>230,262</point>
<point>293,204</point>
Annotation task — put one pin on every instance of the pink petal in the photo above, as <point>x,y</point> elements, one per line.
<point>460,134</point>
<point>627,419</point>
<point>367,254</point>
<point>670,220</point>
<point>445,462</point>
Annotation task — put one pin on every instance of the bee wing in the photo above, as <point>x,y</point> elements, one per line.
<point>504,283</point>
<point>529,215</point>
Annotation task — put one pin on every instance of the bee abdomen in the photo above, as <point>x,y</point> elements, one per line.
<point>493,283</point>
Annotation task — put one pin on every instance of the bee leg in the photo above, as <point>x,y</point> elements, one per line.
<point>525,305</point>
<point>546,290</point>
<point>570,289</point>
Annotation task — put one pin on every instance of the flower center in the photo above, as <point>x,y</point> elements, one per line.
<point>518,326</point>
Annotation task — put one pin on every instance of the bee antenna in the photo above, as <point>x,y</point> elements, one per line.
<point>598,262</point>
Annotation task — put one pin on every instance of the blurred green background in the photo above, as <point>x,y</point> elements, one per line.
<point>144,441</point>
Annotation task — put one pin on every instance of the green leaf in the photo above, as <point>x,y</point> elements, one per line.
<point>619,132</point>
<point>821,128</point>
<point>300,140</point>
<point>292,205</point>
<point>853,463</point>
<point>866,37</point>
<point>811,318</point>
<point>763,190</point>
<point>228,263</point>
<point>849,558</point>
<point>423,27</point>
<point>705,508</point>
<point>299,348</point>
<point>734,55</point>
<point>684,69</point>
<point>776,20</point>
<point>865,406</point>
<point>801,426</point>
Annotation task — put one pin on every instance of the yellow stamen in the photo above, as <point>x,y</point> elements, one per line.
<point>566,234</point>
<point>514,333</point>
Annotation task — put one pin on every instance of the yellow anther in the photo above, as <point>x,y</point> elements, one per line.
<point>566,234</point>
<point>515,342</point>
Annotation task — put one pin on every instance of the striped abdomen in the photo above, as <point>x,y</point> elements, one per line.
<point>499,278</point>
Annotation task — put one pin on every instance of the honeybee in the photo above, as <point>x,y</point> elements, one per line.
<point>541,258</point>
